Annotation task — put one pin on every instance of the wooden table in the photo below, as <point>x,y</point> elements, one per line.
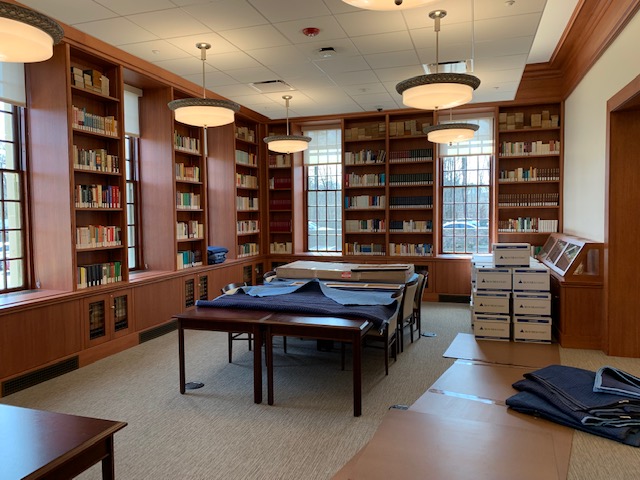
<point>322,328</point>
<point>36,444</point>
<point>224,320</point>
<point>264,324</point>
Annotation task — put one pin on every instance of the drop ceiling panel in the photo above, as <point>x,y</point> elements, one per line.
<point>127,7</point>
<point>118,31</point>
<point>252,38</point>
<point>226,14</point>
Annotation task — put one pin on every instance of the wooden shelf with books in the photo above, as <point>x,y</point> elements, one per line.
<point>529,173</point>
<point>99,222</point>
<point>365,186</point>
<point>190,187</point>
<point>280,203</point>
<point>410,166</point>
<point>247,171</point>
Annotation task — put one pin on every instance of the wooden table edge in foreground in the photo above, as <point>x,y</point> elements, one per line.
<point>42,435</point>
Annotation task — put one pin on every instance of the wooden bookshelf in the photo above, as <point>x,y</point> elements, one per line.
<point>191,196</point>
<point>247,182</point>
<point>529,173</point>
<point>411,192</point>
<point>280,202</point>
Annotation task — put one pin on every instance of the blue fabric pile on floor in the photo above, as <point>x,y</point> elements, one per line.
<point>604,403</point>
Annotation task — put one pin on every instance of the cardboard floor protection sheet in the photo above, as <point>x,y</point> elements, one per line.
<point>537,355</point>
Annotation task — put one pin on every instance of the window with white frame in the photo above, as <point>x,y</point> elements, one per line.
<point>323,174</point>
<point>466,190</point>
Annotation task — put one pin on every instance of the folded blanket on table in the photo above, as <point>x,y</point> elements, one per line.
<point>306,299</point>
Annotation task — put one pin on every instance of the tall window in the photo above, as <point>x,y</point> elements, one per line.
<point>323,167</point>
<point>466,185</point>
<point>13,264</point>
<point>133,205</point>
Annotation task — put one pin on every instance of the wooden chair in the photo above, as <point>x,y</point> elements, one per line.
<point>417,305</point>
<point>388,336</point>
<point>228,289</point>
<point>406,315</point>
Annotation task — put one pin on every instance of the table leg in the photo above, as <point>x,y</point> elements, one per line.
<point>357,374</point>
<point>181,355</point>
<point>257,365</point>
<point>108,468</point>
<point>269,355</point>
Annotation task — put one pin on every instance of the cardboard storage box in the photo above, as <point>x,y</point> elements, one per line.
<point>532,329</point>
<point>531,278</point>
<point>492,317</point>
<point>356,272</point>
<point>532,303</point>
<point>488,330</point>
<point>491,302</point>
<point>493,279</point>
<point>511,254</point>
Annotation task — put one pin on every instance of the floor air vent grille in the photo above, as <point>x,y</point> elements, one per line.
<point>158,331</point>
<point>33,378</point>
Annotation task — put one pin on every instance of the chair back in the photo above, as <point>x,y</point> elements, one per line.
<point>407,299</point>
<point>393,321</point>
<point>231,287</point>
<point>422,283</point>
<point>268,276</point>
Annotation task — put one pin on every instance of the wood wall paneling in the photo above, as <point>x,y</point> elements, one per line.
<point>155,303</point>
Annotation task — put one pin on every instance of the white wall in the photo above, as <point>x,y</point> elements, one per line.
<point>585,134</point>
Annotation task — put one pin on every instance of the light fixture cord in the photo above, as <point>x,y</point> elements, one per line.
<point>203,57</point>
<point>473,36</point>
<point>436,27</point>
<point>287,105</point>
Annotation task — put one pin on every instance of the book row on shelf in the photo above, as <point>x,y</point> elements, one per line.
<point>407,127</point>
<point>519,149</point>
<point>89,122</point>
<point>188,259</point>
<point>190,229</point>
<point>411,226</point>
<point>550,199</point>
<point>365,157</point>
<point>410,179</point>
<point>369,225</point>
<point>515,120</point>
<point>527,225</point>
<point>279,161</point>
<point>246,158</point>
<point>187,201</point>
<point>279,182</point>
<point>245,133</point>
<point>365,201</point>
<point>531,174</point>
<point>91,80</point>
<point>97,196</point>
<point>371,131</point>
<point>280,204</point>
<point>247,203</point>
<point>186,144</point>
<point>97,236</point>
<point>248,249</point>
<point>187,172</point>
<point>411,249</point>
<point>246,181</point>
<point>422,201</point>
<point>363,249</point>
<point>95,160</point>
<point>410,156</point>
<point>365,180</point>
<point>247,226</point>
<point>279,226</point>
<point>280,247</point>
<point>99,274</point>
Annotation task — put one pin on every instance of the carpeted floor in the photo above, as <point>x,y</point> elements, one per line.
<point>217,432</point>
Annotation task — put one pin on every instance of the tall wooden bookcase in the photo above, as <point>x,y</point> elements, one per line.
<point>247,182</point>
<point>280,202</point>
<point>529,173</point>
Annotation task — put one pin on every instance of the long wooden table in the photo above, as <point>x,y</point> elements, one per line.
<point>265,324</point>
<point>35,444</point>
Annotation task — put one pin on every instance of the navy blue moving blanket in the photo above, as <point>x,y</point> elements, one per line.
<point>309,298</point>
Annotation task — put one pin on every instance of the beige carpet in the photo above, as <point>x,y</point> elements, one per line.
<point>217,432</point>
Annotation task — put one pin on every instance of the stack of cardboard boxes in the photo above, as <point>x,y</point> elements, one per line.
<point>510,295</point>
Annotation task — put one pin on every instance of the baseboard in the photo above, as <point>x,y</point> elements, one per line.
<point>38,376</point>
<point>158,331</point>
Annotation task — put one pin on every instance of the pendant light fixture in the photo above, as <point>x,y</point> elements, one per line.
<point>204,112</point>
<point>451,132</point>
<point>388,4</point>
<point>26,35</point>
<point>287,143</point>
<point>437,91</point>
